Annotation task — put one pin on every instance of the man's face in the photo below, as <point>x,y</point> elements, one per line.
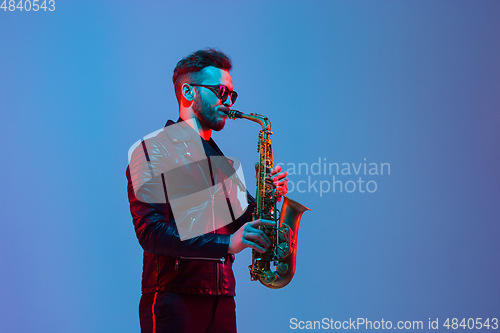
<point>207,107</point>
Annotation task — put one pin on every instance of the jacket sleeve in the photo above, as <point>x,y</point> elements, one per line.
<point>157,233</point>
<point>154,222</point>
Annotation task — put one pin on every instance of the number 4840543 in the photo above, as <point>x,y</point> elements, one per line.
<point>28,5</point>
<point>470,323</point>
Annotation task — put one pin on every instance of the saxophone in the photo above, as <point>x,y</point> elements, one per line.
<point>283,235</point>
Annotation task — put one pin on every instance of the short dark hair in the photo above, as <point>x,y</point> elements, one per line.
<point>189,68</point>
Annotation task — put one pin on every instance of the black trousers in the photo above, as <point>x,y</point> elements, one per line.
<point>165,312</point>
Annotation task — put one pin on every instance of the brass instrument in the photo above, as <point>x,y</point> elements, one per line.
<point>283,235</point>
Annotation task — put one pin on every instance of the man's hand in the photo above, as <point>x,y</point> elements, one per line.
<point>280,180</point>
<point>249,236</point>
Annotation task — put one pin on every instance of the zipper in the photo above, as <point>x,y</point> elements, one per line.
<point>213,213</point>
<point>212,194</point>
<point>176,268</point>
<point>212,183</point>
<point>191,225</point>
<point>213,190</point>
<point>217,280</point>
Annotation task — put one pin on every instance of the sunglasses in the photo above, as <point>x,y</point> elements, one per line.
<point>220,91</point>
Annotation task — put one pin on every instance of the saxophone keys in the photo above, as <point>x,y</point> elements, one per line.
<point>268,277</point>
<point>282,268</point>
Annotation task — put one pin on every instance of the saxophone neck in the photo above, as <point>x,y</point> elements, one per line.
<point>257,118</point>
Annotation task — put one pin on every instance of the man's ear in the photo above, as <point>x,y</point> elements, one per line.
<point>187,92</point>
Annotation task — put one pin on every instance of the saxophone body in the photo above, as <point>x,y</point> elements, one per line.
<point>282,253</point>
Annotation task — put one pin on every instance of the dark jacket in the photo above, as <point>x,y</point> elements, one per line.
<point>200,264</point>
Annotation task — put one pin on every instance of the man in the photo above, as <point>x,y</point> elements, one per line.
<point>184,199</point>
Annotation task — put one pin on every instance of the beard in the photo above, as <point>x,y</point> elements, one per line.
<point>208,116</point>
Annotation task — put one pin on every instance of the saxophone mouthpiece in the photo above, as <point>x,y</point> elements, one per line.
<point>233,114</point>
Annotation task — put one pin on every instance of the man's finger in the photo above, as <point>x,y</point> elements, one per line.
<point>254,246</point>
<point>250,232</point>
<point>276,169</point>
<point>279,176</point>
<point>262,222</point>
<point>281,182</point>
<point>258,237</point>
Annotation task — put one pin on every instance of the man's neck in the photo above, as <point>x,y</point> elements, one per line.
<point>205,133</point>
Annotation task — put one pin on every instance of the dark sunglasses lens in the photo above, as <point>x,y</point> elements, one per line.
<point>223,92</point>
<point>234,95</point>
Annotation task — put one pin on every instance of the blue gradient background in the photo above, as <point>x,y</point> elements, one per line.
<point>411,83</point>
